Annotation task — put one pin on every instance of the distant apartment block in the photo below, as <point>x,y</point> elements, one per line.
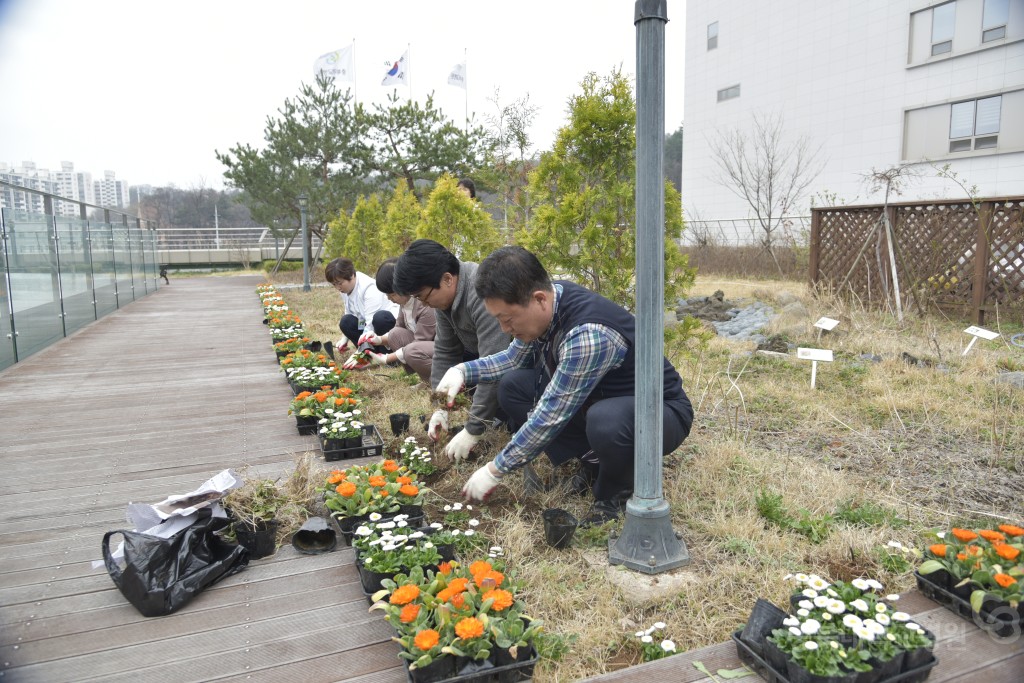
<point>875,84</point>
<point>66,182</point>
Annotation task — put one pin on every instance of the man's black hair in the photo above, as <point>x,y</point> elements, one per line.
<point>386,275</point>
<point>469,185</point>
<point>510,274</point>
<point>423,264</point>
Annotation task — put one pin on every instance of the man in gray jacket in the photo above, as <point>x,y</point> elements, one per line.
<point>465,331</point>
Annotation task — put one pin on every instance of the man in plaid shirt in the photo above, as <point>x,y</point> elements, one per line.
<point>566,382</point>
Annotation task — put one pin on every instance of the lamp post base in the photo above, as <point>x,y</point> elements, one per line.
<point>647,543</point>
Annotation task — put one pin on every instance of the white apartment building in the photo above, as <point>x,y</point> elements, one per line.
<point>875,83</point>
<point>65,183</point>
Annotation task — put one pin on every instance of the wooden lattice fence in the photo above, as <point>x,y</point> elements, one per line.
<point>957,255</point>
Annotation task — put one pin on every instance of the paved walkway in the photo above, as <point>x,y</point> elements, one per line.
<point>149,401</point>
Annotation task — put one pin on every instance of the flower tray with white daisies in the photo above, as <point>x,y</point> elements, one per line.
<point>979,575</point>
<point>838,632</point>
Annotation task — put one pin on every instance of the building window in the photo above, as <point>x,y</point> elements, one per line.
<point>729,93</point>
<point>712,35</point>
<point>943,21</point>
<point>974,124</point>
<point>993,23</point>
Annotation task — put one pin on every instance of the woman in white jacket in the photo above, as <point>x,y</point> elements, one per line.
<point>368,311</point>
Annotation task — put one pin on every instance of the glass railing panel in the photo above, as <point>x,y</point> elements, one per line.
<point>76,281</point>
<point>101,246</point>
<point>138,266</point>
<point>7,356</point>
<point>123,265</point>
<point>34,281</point>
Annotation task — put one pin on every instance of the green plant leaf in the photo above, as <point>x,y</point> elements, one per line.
<point>977,597</point>
<point>929,566</point>
<point>741,672</point>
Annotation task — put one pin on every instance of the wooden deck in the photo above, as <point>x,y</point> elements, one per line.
<point>153,400</point>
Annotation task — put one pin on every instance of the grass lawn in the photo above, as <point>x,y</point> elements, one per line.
<point>774,478</point>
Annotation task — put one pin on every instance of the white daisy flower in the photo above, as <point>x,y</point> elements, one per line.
<point>892,597</point>
<point>861,584</point>
<point>914,627</point>
<point>811,645</point>
<point>818,583</point>
<point>895,544</point>
<point>833,644</point>
<point>890,637</point>
<point>805,604</point>
<point>790,621</point>
<point>821,602</point>
<point>447,508</point>
<point>809,593</point>
<point>900,616</point>
<point>810,627</point>
<point>801,577</point>
<point>469,532</point>
<point>457,506</point>
<point>647,639</point>
<point>860,605</point>
<point>787,577</point>
<point>668,646</point>
<point>883,619</point>
<point>436,525</point>
<point>941,534</point>
<point>863,633</point>
<point>880,607</point>
<point>474,522</point>
<point>428,545</point>
<point>836,606</point>
<point>803,613</point>
<point>826,616</point>
<point>875,584</point>
<point>659,624</point>
<point>795,631</point>
<point>851,621</point>
<point>832,593</point>
<point>640,634</point>
<point>375,516</point>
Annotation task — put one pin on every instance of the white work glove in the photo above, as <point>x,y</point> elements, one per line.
<point>451,384</point>
<point>352,363</point>
<point>377,358</point>
<point>438,425</point>
<point>341,345</point>
<point>461,444</point>
<point>482,484</point>
<point>372,338</point>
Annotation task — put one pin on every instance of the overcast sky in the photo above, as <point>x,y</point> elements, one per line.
<point>150,89</point>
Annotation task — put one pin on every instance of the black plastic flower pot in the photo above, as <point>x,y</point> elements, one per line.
<point>472,667</point>
<point>261,540</point>
<point>880,670</point>
<point>316,536</point>
<point>314,346</point>
<point>559,527</point>
<point>763,619</point>
<point>399,423</point>
<point>438,670</point>
<point>307,425</point>
<point>775,657</point>
<point>371,580</point>
<point>512,674</point>
<point>798,674</point>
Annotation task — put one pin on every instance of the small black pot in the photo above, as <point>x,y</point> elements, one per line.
<point>316,536</point>
<point>763,619</point>
<point>307,425</point>
<point>399,423</point>
<point>371,580</point>
<point>559,527</point>
<point>880,670</point>
<point>798,674</point>
<point>775,657</point>
<point>261,540</point>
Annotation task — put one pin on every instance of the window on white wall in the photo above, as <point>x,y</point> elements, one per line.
<point>712,35</point>
<point>943,22</point>
<point>993,23</point>
<point>730,93</point>
<point>974,124</point>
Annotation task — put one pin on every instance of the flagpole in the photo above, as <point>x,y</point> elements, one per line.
<point>465,92</point>
<point>355,83</point>
<point>408,67</point>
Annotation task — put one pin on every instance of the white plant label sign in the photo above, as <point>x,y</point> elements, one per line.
<point>814,355</point>
<point>976,332</point>
<point>827,324</point>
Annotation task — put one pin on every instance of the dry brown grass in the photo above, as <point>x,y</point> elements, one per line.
<point>928,447</point>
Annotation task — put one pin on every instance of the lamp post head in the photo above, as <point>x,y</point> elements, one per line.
<point>303,202</point>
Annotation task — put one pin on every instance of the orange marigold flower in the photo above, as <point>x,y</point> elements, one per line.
<point>502,599</point>
<point>345,391</point>
<point>353,402</point>
<point>470,627</point>
<point>339,401</point>
<point>303,394</point>
<point>479,567</point>
<point>1011,530</point>
<point>409,613</point>
<point>991,536</point>
<point>426,639</point>
<point>336,477</point>
<point>389,466</point>
<point>377,480</point>
<point>445,568</point>
<point>961,556</point>
<point>491,579</point>
<point>964,535</point>
<point>403,595</point>
<point>939,549</point>
<point>286,361</point>
<point>1007,552</point>
<point>460,584</point>
<point>404,480</point>
<point>320,396</point>
<point>409,490</point>
<point>973,550</point>
<point>383,493</point>
<point>346,488</point>
<point>458,600</point>
<point>445,595</point>
<point>1004,580</point>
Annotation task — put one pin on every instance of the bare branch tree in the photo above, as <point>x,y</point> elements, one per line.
<point>766,171</point>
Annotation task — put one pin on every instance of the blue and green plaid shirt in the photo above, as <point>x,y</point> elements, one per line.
<point>587,353</point>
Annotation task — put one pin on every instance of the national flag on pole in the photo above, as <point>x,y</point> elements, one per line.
<point>458,76</point>
<point>336,65</point>
<point>399,71</point>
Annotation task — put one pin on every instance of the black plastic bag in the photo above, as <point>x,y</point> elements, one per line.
<point>162,574</point>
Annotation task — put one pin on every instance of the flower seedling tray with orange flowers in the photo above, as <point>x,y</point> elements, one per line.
<point>487,672</point>
<point>373,447</point>
<point>996,617</point>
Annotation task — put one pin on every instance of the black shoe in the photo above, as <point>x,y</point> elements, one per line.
<point>602,512</point>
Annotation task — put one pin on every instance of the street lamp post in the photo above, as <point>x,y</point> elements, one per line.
<point>303,205</point>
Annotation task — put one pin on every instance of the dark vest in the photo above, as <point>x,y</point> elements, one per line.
<point>579,306</point>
